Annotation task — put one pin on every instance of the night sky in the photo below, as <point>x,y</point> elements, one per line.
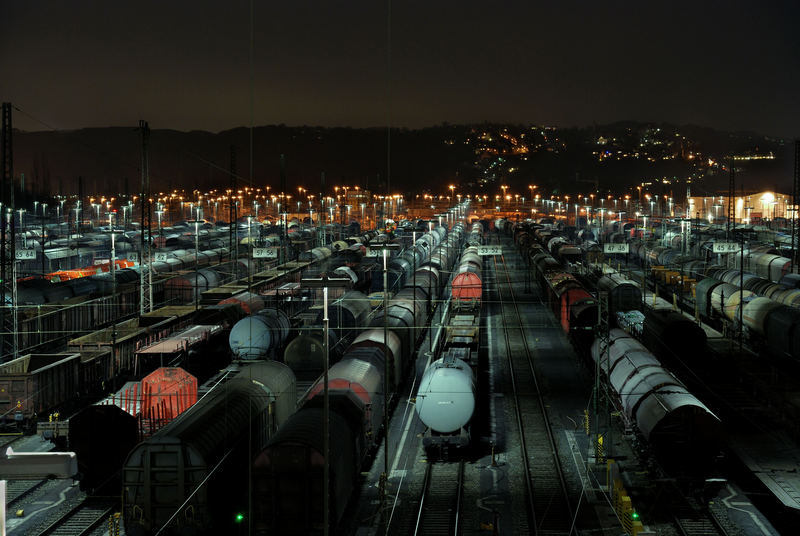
<point>185,64</point>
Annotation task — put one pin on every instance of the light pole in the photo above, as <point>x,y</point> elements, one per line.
<point>14,309</point>
<point>22,227</point>
<point>249,251</point>
<point>386,248</point>
<point>113,248</point>
<point>113,298</point>
<point>158,215</point>
<point>196,258</point>
<point>77,210</point>
<point>324,283</point>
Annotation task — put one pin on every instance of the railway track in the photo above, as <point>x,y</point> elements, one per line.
<point>549,509</point>
<point>16,490</point>
<point>440,506</point>
<point>692,520</point>
<point>8,438</point>
<point>80,520</point>
<point>699,524</point>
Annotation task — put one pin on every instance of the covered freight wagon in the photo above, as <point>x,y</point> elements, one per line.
<point>191,476</point>
<point>35,384</point>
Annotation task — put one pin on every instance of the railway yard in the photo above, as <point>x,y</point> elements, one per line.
<point>457,374</point>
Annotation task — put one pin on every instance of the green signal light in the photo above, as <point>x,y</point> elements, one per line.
<point>239,518</point>
<point>634,515</point>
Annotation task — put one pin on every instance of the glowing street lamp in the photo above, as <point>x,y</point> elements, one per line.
<point>22,227</point>
<point>77,210</point>
<point>158,215</point>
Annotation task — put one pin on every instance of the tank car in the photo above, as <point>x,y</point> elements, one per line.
<point>305,353</point>
<point>466,288</point>
<point>445,400</point>
<point>259,335</point>
<point>288,472</point>
<point>682,431</point>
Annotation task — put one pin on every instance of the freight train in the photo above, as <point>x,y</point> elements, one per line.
<point>40,383</point>
<point>446,397</point>
<point>192,476</point>
<point>347,315</point>
<point>88,368</point>
<point>287,474</point>
<point>61,303</point>
<point>679,428</point>
<point>429,259</point>
<point>574,306</point>
<point>136,411</point>
<point>120,420</point>
<point>767,312</point>
<point>269,336</point>
<point>50,311</point>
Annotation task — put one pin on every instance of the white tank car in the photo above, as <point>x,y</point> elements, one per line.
<point>446,395</point>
